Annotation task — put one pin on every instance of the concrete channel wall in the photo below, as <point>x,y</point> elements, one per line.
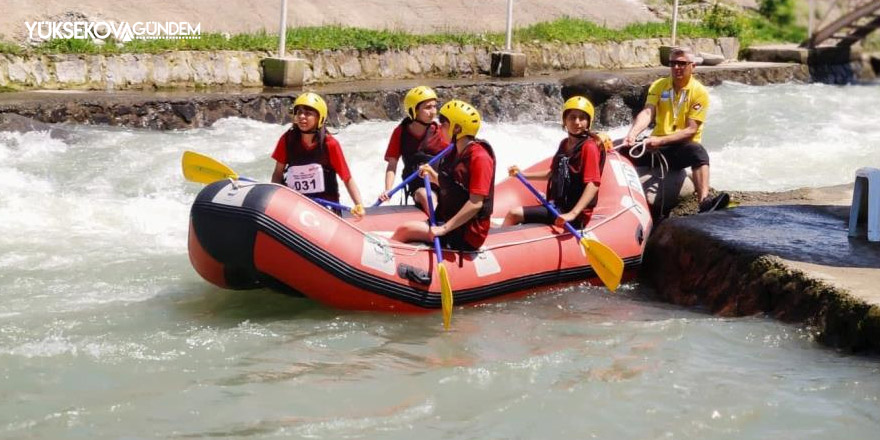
<point>616,94</point>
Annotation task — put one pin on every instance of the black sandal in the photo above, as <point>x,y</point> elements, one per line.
<point>718,202</point>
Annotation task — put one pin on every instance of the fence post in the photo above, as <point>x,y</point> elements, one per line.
<point>508,47</point>
<point>674,20</point>
<point>282,30</point>
<point>810,20</point>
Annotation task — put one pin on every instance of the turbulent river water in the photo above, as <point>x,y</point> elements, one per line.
<point>107,332</point>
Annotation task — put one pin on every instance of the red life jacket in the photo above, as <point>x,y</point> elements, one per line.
<point>454,181</point>
<point>566,182</point>
<point>418,151</point>
<point>297,155</point>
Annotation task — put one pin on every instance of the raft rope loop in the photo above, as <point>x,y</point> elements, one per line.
<point>406,249</point>
<point>658,160</point>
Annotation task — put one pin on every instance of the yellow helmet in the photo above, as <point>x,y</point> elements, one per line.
<point>579,103</point>
<point>462,114</point>
<point>416,96</point>
<point>314,101</point>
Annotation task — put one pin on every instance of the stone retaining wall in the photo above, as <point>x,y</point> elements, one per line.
<point>616,97</point>
<point>242,69</point>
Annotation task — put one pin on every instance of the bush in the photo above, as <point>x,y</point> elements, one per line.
<point>11,48</point>
<point>780,12</point>
<point>724,21</point>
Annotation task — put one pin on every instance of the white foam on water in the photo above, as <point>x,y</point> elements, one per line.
<point>243,144</point>
<point>86,207</point>
<point>786,136</point>
<point>103,314</point>
<point>74,209</point>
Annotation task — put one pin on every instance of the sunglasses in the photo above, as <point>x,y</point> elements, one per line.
<point>679,63</point>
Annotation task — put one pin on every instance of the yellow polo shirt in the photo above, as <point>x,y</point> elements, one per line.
<point>674,109</point>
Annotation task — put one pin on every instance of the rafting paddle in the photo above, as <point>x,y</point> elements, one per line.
<point>204,169</point>
<point>445,286</point>
<point>603,259</point>
<point>415,173</point>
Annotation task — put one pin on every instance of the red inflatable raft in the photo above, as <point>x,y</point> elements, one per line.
<point>246,235</point>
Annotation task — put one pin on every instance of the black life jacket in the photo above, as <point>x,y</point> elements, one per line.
<point>566,183</point>
<point>415,152</point>
<point>297,155</point>
<point>454,181</point>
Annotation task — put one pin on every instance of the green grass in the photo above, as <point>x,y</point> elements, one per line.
<point>570,30</point>
<point>750,28</point>
<point>565,30</point>
<point>872,43</point>
<point>10,48</point>
<point>761,31</point>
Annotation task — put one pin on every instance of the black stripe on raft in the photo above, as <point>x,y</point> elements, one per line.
<point>246,221</point>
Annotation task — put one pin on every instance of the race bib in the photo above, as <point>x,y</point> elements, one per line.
<point>305,179</point>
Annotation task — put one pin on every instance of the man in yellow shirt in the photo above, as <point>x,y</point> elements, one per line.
<point>677,105</point>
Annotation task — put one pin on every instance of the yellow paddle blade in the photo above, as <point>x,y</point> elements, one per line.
<point>445,295</point>
<point>203,169</point>
<point>607,264</point>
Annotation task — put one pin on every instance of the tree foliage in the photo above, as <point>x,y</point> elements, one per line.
<point>779,12</point>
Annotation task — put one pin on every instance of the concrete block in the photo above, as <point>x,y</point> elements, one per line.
<point>866,203</point>
<point>874,61</point>
<point>787,53</point>
<point>834,55</point>
<point>508,64</point>
<point>664,52</point>
<point>283,72</point>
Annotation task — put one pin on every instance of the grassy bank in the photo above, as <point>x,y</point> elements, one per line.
<point>716,23</point>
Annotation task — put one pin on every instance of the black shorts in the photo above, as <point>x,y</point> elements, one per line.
<point>678,156</point>
<point>540,214</point>
<point>454,240</point>
<point>413,186</point>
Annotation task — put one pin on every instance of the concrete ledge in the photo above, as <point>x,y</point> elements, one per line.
<point>508,64</point>
<point>794,54</point>
<point>618,94</point>
<point>773,260</point>
<point>777,54</point>
<point>283,72</point>
<point>834,55</point>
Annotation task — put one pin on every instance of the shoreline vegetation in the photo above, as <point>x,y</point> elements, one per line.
<point>749,27</point>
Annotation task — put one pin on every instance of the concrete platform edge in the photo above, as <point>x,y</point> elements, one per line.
<point>688,267</point>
